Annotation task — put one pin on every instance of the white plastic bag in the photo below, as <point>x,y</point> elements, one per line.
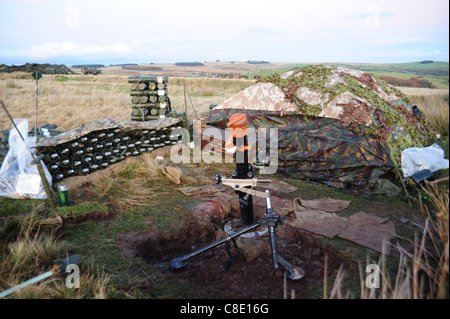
<point>18,178</point>
<point>415,159</point>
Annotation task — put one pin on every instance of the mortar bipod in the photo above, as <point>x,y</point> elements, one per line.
<point>271,220</point>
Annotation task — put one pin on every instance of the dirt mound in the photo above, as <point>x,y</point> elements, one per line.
<point>43,68</point>
<point>244,279</point>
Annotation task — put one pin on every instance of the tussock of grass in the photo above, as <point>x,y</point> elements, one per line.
<point>11,84</point>
<point>149,167</point>
<point>136,184</point>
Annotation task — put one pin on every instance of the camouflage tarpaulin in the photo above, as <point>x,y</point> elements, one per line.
<point>320,149</point>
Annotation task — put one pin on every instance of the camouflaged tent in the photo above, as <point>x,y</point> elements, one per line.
<point>338,126</point>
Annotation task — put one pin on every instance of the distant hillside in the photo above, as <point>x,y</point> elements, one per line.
<point>189,64</point>
<point>88,66</point>
<point>136,67</point>
<point>431,74</point>
<point>418,68</point>
<point>257,62</point>
<point>123,64</point>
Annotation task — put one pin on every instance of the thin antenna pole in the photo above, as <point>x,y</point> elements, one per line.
<point>190,100</point>
<point>36,110</point>
<point>185,101</point>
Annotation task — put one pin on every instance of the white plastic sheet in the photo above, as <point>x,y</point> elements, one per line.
<point>18,178</point>
<point>415,159</point>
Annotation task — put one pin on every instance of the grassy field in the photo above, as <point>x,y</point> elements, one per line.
<point>218,67</point>
<point>74,100</point>
<point>435,68</point>
<point>135,198</point>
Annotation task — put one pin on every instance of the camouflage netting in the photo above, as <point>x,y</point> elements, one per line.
<point>43,68</point>
<point>335,125</point>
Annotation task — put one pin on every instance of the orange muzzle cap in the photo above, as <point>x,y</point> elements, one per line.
<point>238,125</point>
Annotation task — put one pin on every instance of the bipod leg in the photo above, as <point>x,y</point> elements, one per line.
<point>231,257</point>
<point>292,273</point>
<point>180,261</point>
<point>271,220</point>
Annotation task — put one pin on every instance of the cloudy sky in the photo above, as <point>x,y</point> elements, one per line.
<point>144,31</point>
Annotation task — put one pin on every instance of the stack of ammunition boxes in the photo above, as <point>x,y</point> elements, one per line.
<point>99,149</point>
<point>149,100</point>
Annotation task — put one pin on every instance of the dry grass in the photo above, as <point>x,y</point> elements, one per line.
<point>70,101</point>
<point>203,92</point>
<point>422,273</point>
<point>422,91</point>
<point>32,253</point>
<point>436,108</point>
<point>131,186</point>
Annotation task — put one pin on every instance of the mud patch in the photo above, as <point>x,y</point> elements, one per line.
<point>244,279</point>
<point>96,216</point>
<point>159,247</point>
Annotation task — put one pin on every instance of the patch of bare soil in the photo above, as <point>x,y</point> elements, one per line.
<point>244,279</point>
<point>95,216</point>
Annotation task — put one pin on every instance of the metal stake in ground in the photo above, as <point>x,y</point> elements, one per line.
<point>185,87</point>
<point>36,75</point>
<point>59,266</point>
<point>40,169</point>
